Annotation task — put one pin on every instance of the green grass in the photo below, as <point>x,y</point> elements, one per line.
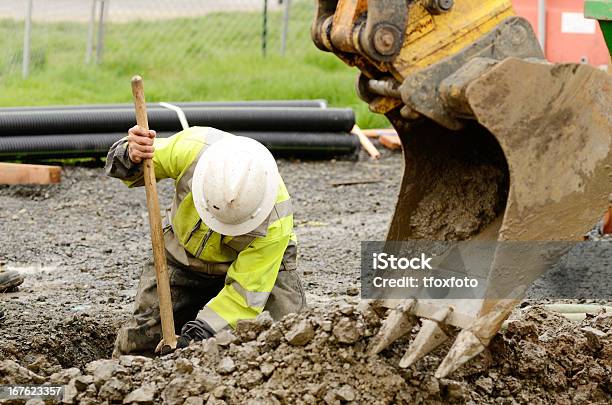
<point>216,57</point>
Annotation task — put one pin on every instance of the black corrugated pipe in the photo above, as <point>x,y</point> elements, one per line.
<point>306,145</point>
<point>229,119</point>
<point>320,103</point>
<point>281,144</point>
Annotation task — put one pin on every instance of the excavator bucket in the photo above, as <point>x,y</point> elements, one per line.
<point>499,145</point>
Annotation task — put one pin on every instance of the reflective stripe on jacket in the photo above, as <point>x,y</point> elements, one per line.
<point>250,262</point>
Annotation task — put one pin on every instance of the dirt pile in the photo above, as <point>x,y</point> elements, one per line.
<point>320,356</point>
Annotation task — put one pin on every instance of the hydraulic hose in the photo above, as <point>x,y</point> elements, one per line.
<point>281,144</point>
<point>230,119</point>
<point>320,103</point>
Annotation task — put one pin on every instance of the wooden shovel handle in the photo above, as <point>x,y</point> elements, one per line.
<point>155,223</point>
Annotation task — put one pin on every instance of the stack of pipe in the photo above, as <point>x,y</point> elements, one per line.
<point>295,128</point>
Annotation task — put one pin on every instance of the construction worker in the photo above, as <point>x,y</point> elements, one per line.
<point>229,238</point>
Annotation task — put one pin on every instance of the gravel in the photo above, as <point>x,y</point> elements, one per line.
<point>540,358</point>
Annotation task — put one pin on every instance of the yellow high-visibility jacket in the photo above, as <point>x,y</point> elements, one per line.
<point>249,262</point>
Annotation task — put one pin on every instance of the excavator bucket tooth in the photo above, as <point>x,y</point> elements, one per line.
<point>458,355</point>
<point>429,338</point>
<point>398,323</point>
<point>472,341</point>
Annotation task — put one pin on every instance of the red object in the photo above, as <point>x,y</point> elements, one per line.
<point>569,36</point>
<point>607,222</point>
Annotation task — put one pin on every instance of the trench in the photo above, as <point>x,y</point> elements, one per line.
<point>72,342</point>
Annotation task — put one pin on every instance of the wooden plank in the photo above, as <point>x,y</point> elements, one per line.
<point>17,173</point>
<point>376,132</point>
<point>390,142</point>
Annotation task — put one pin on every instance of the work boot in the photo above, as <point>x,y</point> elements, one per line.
<point>9,280</point>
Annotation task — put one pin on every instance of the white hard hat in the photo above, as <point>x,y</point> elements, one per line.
<point>235,185</point>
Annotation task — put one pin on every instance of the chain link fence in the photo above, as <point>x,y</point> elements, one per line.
<point>148,34</point>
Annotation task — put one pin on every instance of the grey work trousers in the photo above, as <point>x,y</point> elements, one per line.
<point>191,291</point>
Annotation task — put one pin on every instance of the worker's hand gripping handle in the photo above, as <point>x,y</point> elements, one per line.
<point>157,237</point>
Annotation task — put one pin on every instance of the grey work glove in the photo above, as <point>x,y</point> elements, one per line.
<point>197,331</point>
